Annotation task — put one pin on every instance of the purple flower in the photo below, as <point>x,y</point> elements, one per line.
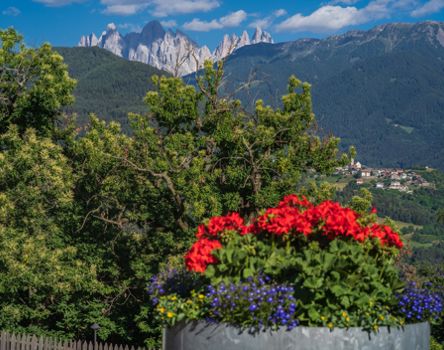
<point>418,304</point>
<point>260,304</point>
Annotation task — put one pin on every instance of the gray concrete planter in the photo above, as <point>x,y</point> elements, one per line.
<point>203,336</point>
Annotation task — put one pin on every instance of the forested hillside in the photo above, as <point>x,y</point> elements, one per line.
<point>107,85</point>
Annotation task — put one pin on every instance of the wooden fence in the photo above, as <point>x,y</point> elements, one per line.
<point>31,342</point>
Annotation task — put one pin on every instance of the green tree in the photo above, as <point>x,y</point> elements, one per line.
<point>120,222</point>
<point>207,156</point>
<point>34,84</point>
<point>46,286</point>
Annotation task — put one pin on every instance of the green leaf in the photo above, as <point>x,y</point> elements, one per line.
<point>313,314</point>
<point>210,271</point>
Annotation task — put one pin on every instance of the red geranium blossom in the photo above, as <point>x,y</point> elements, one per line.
<point>293,216</point>
<point>219,224</point>
<point>386,235</point>
<point>200,255</point>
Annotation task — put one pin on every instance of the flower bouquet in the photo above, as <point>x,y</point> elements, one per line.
<point>296,265</point>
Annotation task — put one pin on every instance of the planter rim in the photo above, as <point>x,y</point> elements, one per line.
<point>223,324</point>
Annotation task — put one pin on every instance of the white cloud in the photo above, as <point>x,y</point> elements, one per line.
<point>330,18</point>
<point>279,13</point>
<point>169,23</point>
<point>343,2</point>
<point>202,26</point>
<point>405,5</point>
<point>233,19</point>
<point>111,27</point>
<point>267,21</point>
<point>130,27</point>
<point>325,18</point>
<point>163,8</point>
<point>11,11</point>
<point>431,6</point>
<point>377,9</point>
<point>261,23</point>
<point>56,3</point>
<point>158,8</point>
<point>124,10</point>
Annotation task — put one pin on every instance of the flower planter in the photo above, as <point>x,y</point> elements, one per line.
<point>203,336</point>
<point>297,263</point>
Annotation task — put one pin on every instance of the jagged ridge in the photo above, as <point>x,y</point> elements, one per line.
<point>164,49</point>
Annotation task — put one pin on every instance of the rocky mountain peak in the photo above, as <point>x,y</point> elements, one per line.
<point>244,39</point>
<point>88,40</point>
<point>111,27</point>
<point>261,36</point>
<point>172,51</point>
<point>151,32</point>
<point>111,40</point>
<point>231,43</point>
<point>257,34</point>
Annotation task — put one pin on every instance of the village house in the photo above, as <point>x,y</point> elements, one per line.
<point>378,172</point>
<point>395,176</point>
<point>366,173</point>
<point>396,185</point>
<point>354,166</point>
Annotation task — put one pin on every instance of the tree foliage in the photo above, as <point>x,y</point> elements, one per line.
<point>210,156</point>
<point>45,285</point>
<point>34,84</point>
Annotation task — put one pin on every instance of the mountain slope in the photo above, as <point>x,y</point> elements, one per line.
<point>106,84</point>
<point>381,90</point>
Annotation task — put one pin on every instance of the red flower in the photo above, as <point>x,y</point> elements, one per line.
<point>200,255</point>
<point>245,230</point>
<point>201,231</point>
<point>283,220</point>
<point>386,236</point>
<point>292,216</point>
<point>338,221</point>
<point>219,224</point>
<point>293,200</point>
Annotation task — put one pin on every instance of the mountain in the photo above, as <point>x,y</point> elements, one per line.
<point>164,49</point>
<point>231,43</point>
<point>107,85</point>
<point>381,90</point>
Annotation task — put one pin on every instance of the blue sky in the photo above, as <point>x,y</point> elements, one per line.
<point>62,22</point>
